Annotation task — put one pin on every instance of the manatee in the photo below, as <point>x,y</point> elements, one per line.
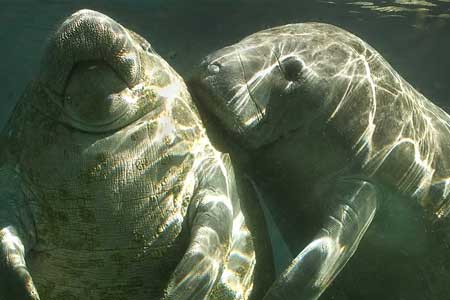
<point>109,186</point>
<point>347,152</point>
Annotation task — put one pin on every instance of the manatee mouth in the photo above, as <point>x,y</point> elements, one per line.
<point>220,136</point>
<point>94,94</point>
<point>90,67</point>
<point>89,36</point>
<point>224,83</point>
<point>209,104</point>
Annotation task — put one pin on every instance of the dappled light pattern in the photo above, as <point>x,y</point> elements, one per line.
<point>420,9</point>
<point>398,135</point>
<point>139,206</point>
<point>337,137</point>
<point>433,9</point>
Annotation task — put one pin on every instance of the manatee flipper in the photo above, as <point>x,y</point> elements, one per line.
<point>15,280</point>
<point>211,224</point>
<point>319,263</point>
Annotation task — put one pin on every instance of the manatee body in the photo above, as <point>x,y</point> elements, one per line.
<point>109,186</point>
<point>346,150</point>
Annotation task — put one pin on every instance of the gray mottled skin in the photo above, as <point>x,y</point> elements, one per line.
<point>109,186</point>
<point>346,148</point>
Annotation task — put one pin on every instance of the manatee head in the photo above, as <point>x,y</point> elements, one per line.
<point>276,80</point>
<point>98,76</point>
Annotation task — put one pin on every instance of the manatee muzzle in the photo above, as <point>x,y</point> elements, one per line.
<point>91,63</point>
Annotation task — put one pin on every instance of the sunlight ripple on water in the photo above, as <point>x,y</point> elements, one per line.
<point>403,8</point>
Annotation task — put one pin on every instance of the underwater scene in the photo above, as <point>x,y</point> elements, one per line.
<point>225,149</point>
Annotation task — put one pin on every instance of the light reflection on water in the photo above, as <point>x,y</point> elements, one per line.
<point>400,8</point>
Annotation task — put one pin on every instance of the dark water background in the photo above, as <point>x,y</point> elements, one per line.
<point>414,35</point>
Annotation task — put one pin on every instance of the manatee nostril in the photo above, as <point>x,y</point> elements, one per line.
<point>214,68</point>
<point>85,36</point>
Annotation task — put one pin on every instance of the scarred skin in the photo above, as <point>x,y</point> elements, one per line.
<point>109,186</point>
<point>347,151</point>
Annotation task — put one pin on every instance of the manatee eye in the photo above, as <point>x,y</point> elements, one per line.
<point>144,44</point>
<point>214,68</point>
<point>292,68</point>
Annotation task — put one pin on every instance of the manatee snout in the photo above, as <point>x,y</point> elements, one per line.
<point>232,83</point>
<point>93,69</point>
<point>90,36</point>
<point>217,82</point>
<point>217,66</point>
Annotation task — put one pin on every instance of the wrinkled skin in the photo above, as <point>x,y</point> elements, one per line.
<point>346,150</point>
<point>109,186</point>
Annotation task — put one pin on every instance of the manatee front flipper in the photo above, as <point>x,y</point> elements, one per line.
<point>210,222</point>
<point>15,280</point>
<point>311,272</point>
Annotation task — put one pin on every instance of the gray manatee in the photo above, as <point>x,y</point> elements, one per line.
<point>347,150</point>
<point>109,186</point>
